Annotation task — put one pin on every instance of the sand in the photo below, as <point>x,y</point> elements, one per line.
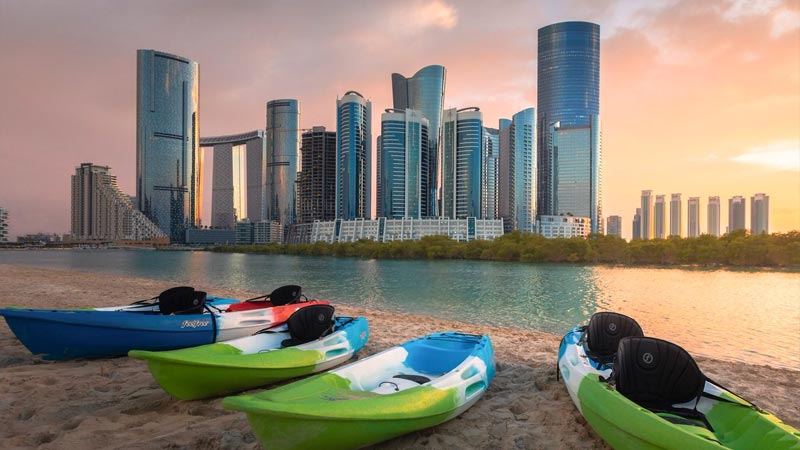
<point>115,404</point>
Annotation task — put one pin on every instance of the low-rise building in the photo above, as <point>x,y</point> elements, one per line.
<point>563,226</point>
<point>387,230</point>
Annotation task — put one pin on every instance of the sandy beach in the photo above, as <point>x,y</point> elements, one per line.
<point>115,403</point>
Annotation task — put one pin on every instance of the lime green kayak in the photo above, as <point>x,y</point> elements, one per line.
<point>252,361</point>
<point>416,385</point>
<point>653,396</point>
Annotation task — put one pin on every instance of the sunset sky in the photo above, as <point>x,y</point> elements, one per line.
<point>701,98</point>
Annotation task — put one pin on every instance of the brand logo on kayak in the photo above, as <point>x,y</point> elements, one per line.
<point>648,358</point>
<point>194,323</point>
<point>612,327</point>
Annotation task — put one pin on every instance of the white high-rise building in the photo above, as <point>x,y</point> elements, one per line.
<point>713,216</point>
<point>759,214</point>
<point>693,215</point>
<point>101,211</point>
<point>736,213</point>
<point>675,215</point>
<point>646,221</point>
<point>660,217</point>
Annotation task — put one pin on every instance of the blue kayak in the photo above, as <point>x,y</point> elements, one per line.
<point>58,334</point>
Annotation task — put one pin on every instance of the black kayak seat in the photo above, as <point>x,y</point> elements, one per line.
<point>655,373</point>
<point>604,333</point>
<point>181,300</point>
<point>285,295</point>
<point>309,323</point>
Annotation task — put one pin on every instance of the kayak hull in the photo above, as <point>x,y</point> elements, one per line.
<point>252,361</point>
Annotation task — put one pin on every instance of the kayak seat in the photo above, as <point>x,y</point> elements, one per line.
<point>655,373</point>
<point>604,333</point>
<point>308,324</point>
<point>285,295</point>
<point>181,300</point>
<point>400,382</point>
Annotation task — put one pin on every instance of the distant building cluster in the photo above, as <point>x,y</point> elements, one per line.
<point>433,165</point>
<point>3,225</point>
<point>650,220</point>
<point>402,229</point>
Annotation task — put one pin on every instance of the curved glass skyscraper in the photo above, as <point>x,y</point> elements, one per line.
<point>168,157</point>
<point>283,144</point>
<point>424,92</point>
<point>568,92</point>
<point>353,157</point>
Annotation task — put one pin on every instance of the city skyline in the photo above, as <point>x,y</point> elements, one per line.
<point>739,112</point>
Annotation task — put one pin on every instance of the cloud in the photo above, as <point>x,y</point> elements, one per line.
<point>780,155</point>
<point>435,14</point>
<point>741,9</point>
<point>784,21</point>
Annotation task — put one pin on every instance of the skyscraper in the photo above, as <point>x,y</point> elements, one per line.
<point>675,215</point>
<point>490,154</point>
<point>713,216</point>
<point>316,183</point>
<point>759,214</point>
<point>3,225</point>
<point>378,192</point>
<point>237,186</point>
<point>168,160</point>
<point>568,92</point>
<point>614,227</point>
<point>647,215</point>
<point>575,187</point>
<point>517,171</point>
<point>424,92</point>
<point>636,232</point>
<point>101,211</point>
<point>660,217</point>
<point>736,213</point>
<point>693,214</point>
<point>353,157</point>
<point>404,139</point>
<point>283,144</point>
<point>461,147</point>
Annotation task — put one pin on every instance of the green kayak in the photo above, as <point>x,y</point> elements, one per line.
<point>416,385</point>
<point>252,361</point>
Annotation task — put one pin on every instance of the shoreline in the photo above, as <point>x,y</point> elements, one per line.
<point>115,403</point>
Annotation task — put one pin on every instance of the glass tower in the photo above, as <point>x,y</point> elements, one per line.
<point>404,139</point>
<point>283,144</point>
<point>168,158</point>
<point>714,215</point>
<point>736,213</point>
<point>316,183</point>
<point>353,157</point>
<point>568,92</point>
<point>693,217</point>
<point>523,166</point>
<point>675,215</point>
<point>462,142</point>
<point>424,92</point>
<point>490,154</point>
<point>759,214</point>
<point>646,216</point>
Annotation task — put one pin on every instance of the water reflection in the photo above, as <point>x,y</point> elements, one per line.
<point>753,316</point>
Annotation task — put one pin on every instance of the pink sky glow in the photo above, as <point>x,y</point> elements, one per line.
<point>701,98</point>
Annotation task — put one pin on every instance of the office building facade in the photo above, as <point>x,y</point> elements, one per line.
<point>424,92</point>
<point>386,229</point>
<point>404,141</point>
<point>614,226</point>
<point>101,211</point>
<point>564,226</point>
<point>283,145</point>
<point>237,185</point>
<point>353,157</point>
<point>736,213</point>
<point>759,214</point>
<point>490,157</point>
<point>693,217</point>
<point>168,158</point>
<point>660,217</point>
<point>647,215</point>
<point>575,157</point>
<point>675,215</point>
<point>316,183</point>
<point>636,232</point>
<point>518,170</point>
<point>714,214</point>
<point>461,149</point>
<point>568,92</point>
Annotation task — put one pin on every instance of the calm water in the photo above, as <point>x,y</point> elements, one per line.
<point>748,316</point>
